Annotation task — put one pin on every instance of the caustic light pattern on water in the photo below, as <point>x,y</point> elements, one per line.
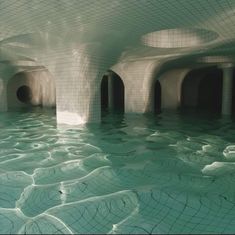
<point>139,174</point>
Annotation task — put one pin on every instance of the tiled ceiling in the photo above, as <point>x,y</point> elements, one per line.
<point>29,27</point>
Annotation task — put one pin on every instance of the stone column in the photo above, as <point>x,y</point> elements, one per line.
<point>227,89</point>
<point>77,85</point>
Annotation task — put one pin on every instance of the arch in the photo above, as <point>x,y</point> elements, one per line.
<point>157,97</point>
<point>202,90</point>
<point>112,93</point>
<point>31,88</point>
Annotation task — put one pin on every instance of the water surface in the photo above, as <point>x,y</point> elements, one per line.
<point>173,173</point>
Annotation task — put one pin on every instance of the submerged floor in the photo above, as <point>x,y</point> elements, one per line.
<point>132,174</point>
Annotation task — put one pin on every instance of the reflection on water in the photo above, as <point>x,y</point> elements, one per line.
<point>130,174</point>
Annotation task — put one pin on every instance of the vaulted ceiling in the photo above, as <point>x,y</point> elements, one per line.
<point>126,29</point>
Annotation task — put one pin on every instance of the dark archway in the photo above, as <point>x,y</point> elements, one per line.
<point>118,93</point>
<point>210,91</point>
<point>202,90</point>
<point>104,93</point>
<point>157,97</point>
<point>112,93</point>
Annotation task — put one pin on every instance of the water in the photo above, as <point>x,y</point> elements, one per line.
<point>130,174</point>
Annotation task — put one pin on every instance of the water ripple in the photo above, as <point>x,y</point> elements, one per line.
<point>133,174</point>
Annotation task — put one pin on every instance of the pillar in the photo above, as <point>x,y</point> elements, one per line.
<point>227,89</point>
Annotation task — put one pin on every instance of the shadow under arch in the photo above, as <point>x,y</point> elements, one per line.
<point>31,88</point>
<point>157,97</point>
<point>202,90</point>
<point>233,94</point>
<point>112,93</point>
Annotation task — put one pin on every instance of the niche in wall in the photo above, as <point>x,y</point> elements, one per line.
<point>29,89</point>
<point>202,90</point>
<point>112,93</point>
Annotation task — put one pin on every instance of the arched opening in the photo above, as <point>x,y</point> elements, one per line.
<point>157,97</point>
<point>31,89</point>
<point>118,93</point>
<point>24,94</point>
<point>202,90</point>
<point>112,93</point>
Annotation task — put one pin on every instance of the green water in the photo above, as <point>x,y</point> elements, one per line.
<point>130,174</point>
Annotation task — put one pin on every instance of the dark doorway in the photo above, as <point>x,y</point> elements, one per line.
<point>202,90</point>
<point>112,93</point>
<point>118,93</point>
<point>104,93</point>
<point>157,97</point>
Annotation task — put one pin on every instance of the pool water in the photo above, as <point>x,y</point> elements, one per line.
<point>174,173</point>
